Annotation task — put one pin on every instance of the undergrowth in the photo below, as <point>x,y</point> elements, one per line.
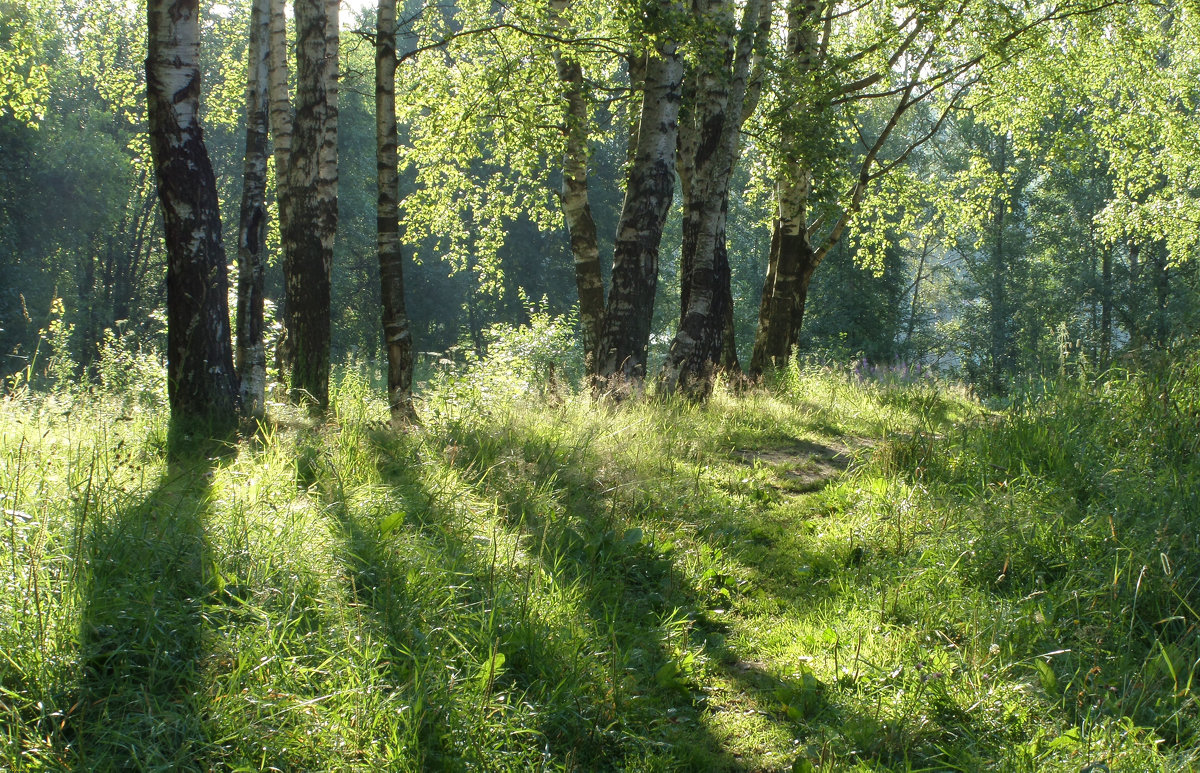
<point>828,572</point>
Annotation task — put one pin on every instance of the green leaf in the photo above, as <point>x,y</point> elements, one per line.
<point>632,537</point>
<point>492,668</point>
<point>1067,740</point>
<point>389,524</point>
<point>803,765</point>
<point>1046,676</point>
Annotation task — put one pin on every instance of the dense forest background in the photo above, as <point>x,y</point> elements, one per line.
<point>1038,209</point>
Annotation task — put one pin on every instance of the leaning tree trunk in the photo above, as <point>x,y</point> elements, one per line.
<point>397,333</point>
<point>252,229</point>
<point>720,92</point>
<point>577,210</point>
<point>308,263</point>
<point>281,135</point>
<point>649,187</point>
<point>201,382</point>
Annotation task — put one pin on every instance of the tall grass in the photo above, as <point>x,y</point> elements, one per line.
<point>828,573</point>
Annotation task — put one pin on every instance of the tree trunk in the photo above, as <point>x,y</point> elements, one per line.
<point>913,309</point>
<point>1106,305</point>
<point>713,148</point>
<point>728,361</point>
<point>129,278</point>
<point>1136,323</point>
<point>792,257</point>
<point>397,333</point>
<point>1162,287</point>
<point>252,229</point>
<point>328,173</point>
<point>999,323</point>
<point>201,382</point>
<point>648,191</point>
<point>281,135</point>
<point>308,263</point>
<point>577,210</point>
<point>808,267</point>
<point>785,290</point>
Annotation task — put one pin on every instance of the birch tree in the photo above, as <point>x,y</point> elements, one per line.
<point>576,206</point>
<point>201,381</point>
<point>649,189</point>
<point>397,332</point>
<point>280,102</point>
<point>312,201</point>
<point>722,94</point>
<point>861,72</point>
<point>252,228</point>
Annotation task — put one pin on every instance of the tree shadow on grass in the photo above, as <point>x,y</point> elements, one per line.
<point>608,684</point>
<point>579,541</point>
<point>141,584</point>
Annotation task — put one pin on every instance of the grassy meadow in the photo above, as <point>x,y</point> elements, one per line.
<point>827,573</point>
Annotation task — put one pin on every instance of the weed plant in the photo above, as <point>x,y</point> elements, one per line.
<point>828,572</point>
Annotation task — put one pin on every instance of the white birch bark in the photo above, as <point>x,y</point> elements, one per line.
<point>251,357</point>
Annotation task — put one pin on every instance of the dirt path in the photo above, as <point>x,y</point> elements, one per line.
<point>803,465</point>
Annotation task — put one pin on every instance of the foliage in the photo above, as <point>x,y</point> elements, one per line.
<point>24,84</point>
<point>542,356</point>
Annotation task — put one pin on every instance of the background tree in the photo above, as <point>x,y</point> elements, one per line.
<point>397,332</point>
<point>252,228</point>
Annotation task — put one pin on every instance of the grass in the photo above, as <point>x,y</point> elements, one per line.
<point>824,575</point>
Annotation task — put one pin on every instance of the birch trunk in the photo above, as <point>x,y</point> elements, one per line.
<point>397,332</point>
<point>201,381</point>
<point>577,210</point>
<point>792,259</point>
<point>307,265</point>
<point>252,229</point>
<point>328,173</point>
<point>728,360</point>
<point>648,191</point>
<point>281,135</point>
<point>999,337</point>
<point>722,80</point>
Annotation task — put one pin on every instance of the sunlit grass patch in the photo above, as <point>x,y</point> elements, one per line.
<point>826,572</point>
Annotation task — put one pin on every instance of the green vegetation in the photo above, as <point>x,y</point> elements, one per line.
<point>828,573</point>
<point>931,506</point>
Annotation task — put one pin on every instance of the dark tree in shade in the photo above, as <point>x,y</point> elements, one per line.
<point>397,332</point>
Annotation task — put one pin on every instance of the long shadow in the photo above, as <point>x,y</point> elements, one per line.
<point>588,547</point>
<point>596,710</point>
<point>141,584</point>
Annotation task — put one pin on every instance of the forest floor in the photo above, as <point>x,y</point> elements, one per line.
<point>824,575</point>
